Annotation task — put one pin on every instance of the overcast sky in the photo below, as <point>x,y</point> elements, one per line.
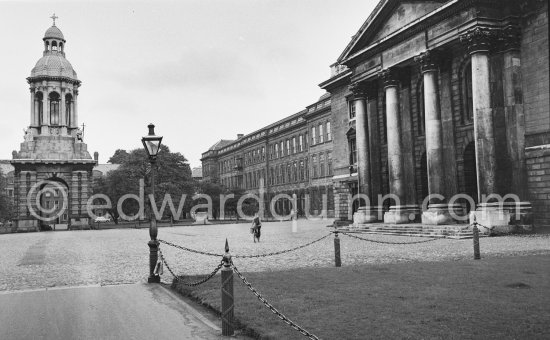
<point>200,70</point>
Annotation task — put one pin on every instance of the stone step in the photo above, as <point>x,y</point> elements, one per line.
<point>414,230</point>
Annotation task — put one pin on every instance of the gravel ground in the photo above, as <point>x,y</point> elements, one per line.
<point>91,257</point>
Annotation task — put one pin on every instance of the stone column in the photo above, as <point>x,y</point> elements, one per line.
<point>74,112</point>
<point>365,213</point>
<point>45,124</point>
<point>478,41</point>
<point>438,211</point>
<point>33,110</point>
<point>398,213</point>
<point>520,210</point>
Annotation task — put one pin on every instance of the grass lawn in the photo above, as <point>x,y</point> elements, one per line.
<point>493,298</point>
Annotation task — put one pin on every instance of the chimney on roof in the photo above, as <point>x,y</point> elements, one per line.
<point>96,156</point>
<point>240,135</point>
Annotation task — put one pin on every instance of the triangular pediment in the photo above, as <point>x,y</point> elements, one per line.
<point>388,17</point>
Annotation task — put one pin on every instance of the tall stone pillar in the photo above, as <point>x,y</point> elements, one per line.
<point>398,213</point>
<point>365,213</point>
<point>438,210</point>
<point>490,213</point>
<point>478,41</point>
<point>520,210</point>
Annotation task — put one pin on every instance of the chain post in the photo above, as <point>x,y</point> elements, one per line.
<point>153,259</point>
<point>475,232</point>
<point>227,293</point>
<point>337,259</point>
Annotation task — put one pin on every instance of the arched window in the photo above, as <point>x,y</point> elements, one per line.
<point>68,108</point>
<point>61,47</point>
<point>47,46</point>
<point>466,93</point>
<point>54,108</point>
<point>39,107</point>
<point>54,46</point>
<point>420,117</point>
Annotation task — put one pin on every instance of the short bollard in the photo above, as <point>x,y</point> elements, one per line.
<point>227,293</point>
<point>337,260</point>
<point>475,232</point>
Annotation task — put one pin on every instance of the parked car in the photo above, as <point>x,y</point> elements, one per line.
<point>102,219</point>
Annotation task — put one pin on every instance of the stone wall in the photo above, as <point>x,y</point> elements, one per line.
<point>538,183</point>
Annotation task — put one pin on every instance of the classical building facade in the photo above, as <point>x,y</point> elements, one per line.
<point>292,156</point>
<point>446,98</point>
<point>52,171</point>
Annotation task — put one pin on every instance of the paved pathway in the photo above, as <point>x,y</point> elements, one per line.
<point>138,311</point>
<point>106,257</point>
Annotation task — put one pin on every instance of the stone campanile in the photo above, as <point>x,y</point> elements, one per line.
<point>53,168</point>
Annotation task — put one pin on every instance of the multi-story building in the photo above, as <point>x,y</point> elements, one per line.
<point>445,97</point>
<point>292,156</point>
<point>442,106</point>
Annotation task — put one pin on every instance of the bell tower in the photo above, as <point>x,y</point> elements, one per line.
<point>53,157</point>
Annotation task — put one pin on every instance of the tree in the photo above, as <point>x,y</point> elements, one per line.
<point>213,190</point>
<point>6,203</point>
<point>173,177</point>
<point>119,157</point>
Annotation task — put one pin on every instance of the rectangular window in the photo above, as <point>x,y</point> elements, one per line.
<point>293,145</point>
<point>321,133</point>
<point>282,148</point>
<point>288,173</point>
<point>276,150</point>
<point>314,166</point>
<point>329,163</point>
<point>306,168</point>
<point>295,172</point>
<point>287,147</point>
<point>322,165</point>
<point>351,107</point>
<point>352,151</point>
<point>301,170</point>
<point>313,136</point>
<point>329,133</point>
<point>263,153</point>
<point>301,143</point>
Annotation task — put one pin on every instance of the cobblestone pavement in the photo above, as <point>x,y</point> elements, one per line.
<point>104,257</point>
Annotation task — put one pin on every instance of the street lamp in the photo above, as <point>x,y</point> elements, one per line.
<point>151,143</point>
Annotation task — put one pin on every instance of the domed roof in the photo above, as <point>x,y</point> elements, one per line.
<point>54,33</point>
<point>53,65</point>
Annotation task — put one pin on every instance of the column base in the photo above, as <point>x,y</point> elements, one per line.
<point>368,215</point>
<point>509,217</point>
<point>399,214</point>
<point>439,214</point>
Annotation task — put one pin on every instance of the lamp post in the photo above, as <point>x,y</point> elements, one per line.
<point>151,143</point>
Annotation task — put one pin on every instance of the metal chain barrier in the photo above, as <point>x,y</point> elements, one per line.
<point>244,256</point>
<point>190,284</point>
<point>282,251</point>
<point>190,250</point>
<point>273,309</point>
<point>387,242</point>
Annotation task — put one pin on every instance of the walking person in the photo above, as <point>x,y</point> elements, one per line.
<point>256,226</point>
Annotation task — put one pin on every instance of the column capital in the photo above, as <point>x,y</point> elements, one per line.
<point>389,77</point>
<point>479,39</point>
<point>509,38</point>
<point>359,90</point>
<point>428,61</point>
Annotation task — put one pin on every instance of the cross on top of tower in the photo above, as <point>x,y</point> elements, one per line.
<point>54,17</point>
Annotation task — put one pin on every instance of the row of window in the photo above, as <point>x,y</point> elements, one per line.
<point>292,172</point>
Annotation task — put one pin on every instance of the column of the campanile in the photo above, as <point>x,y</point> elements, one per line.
<point>438,211</point>
<point>478,41</point>
<point>397,213</point>
<point>62,116</point>
<point>45,128</point>
<point>33,111</point>
<point>363,214</point>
